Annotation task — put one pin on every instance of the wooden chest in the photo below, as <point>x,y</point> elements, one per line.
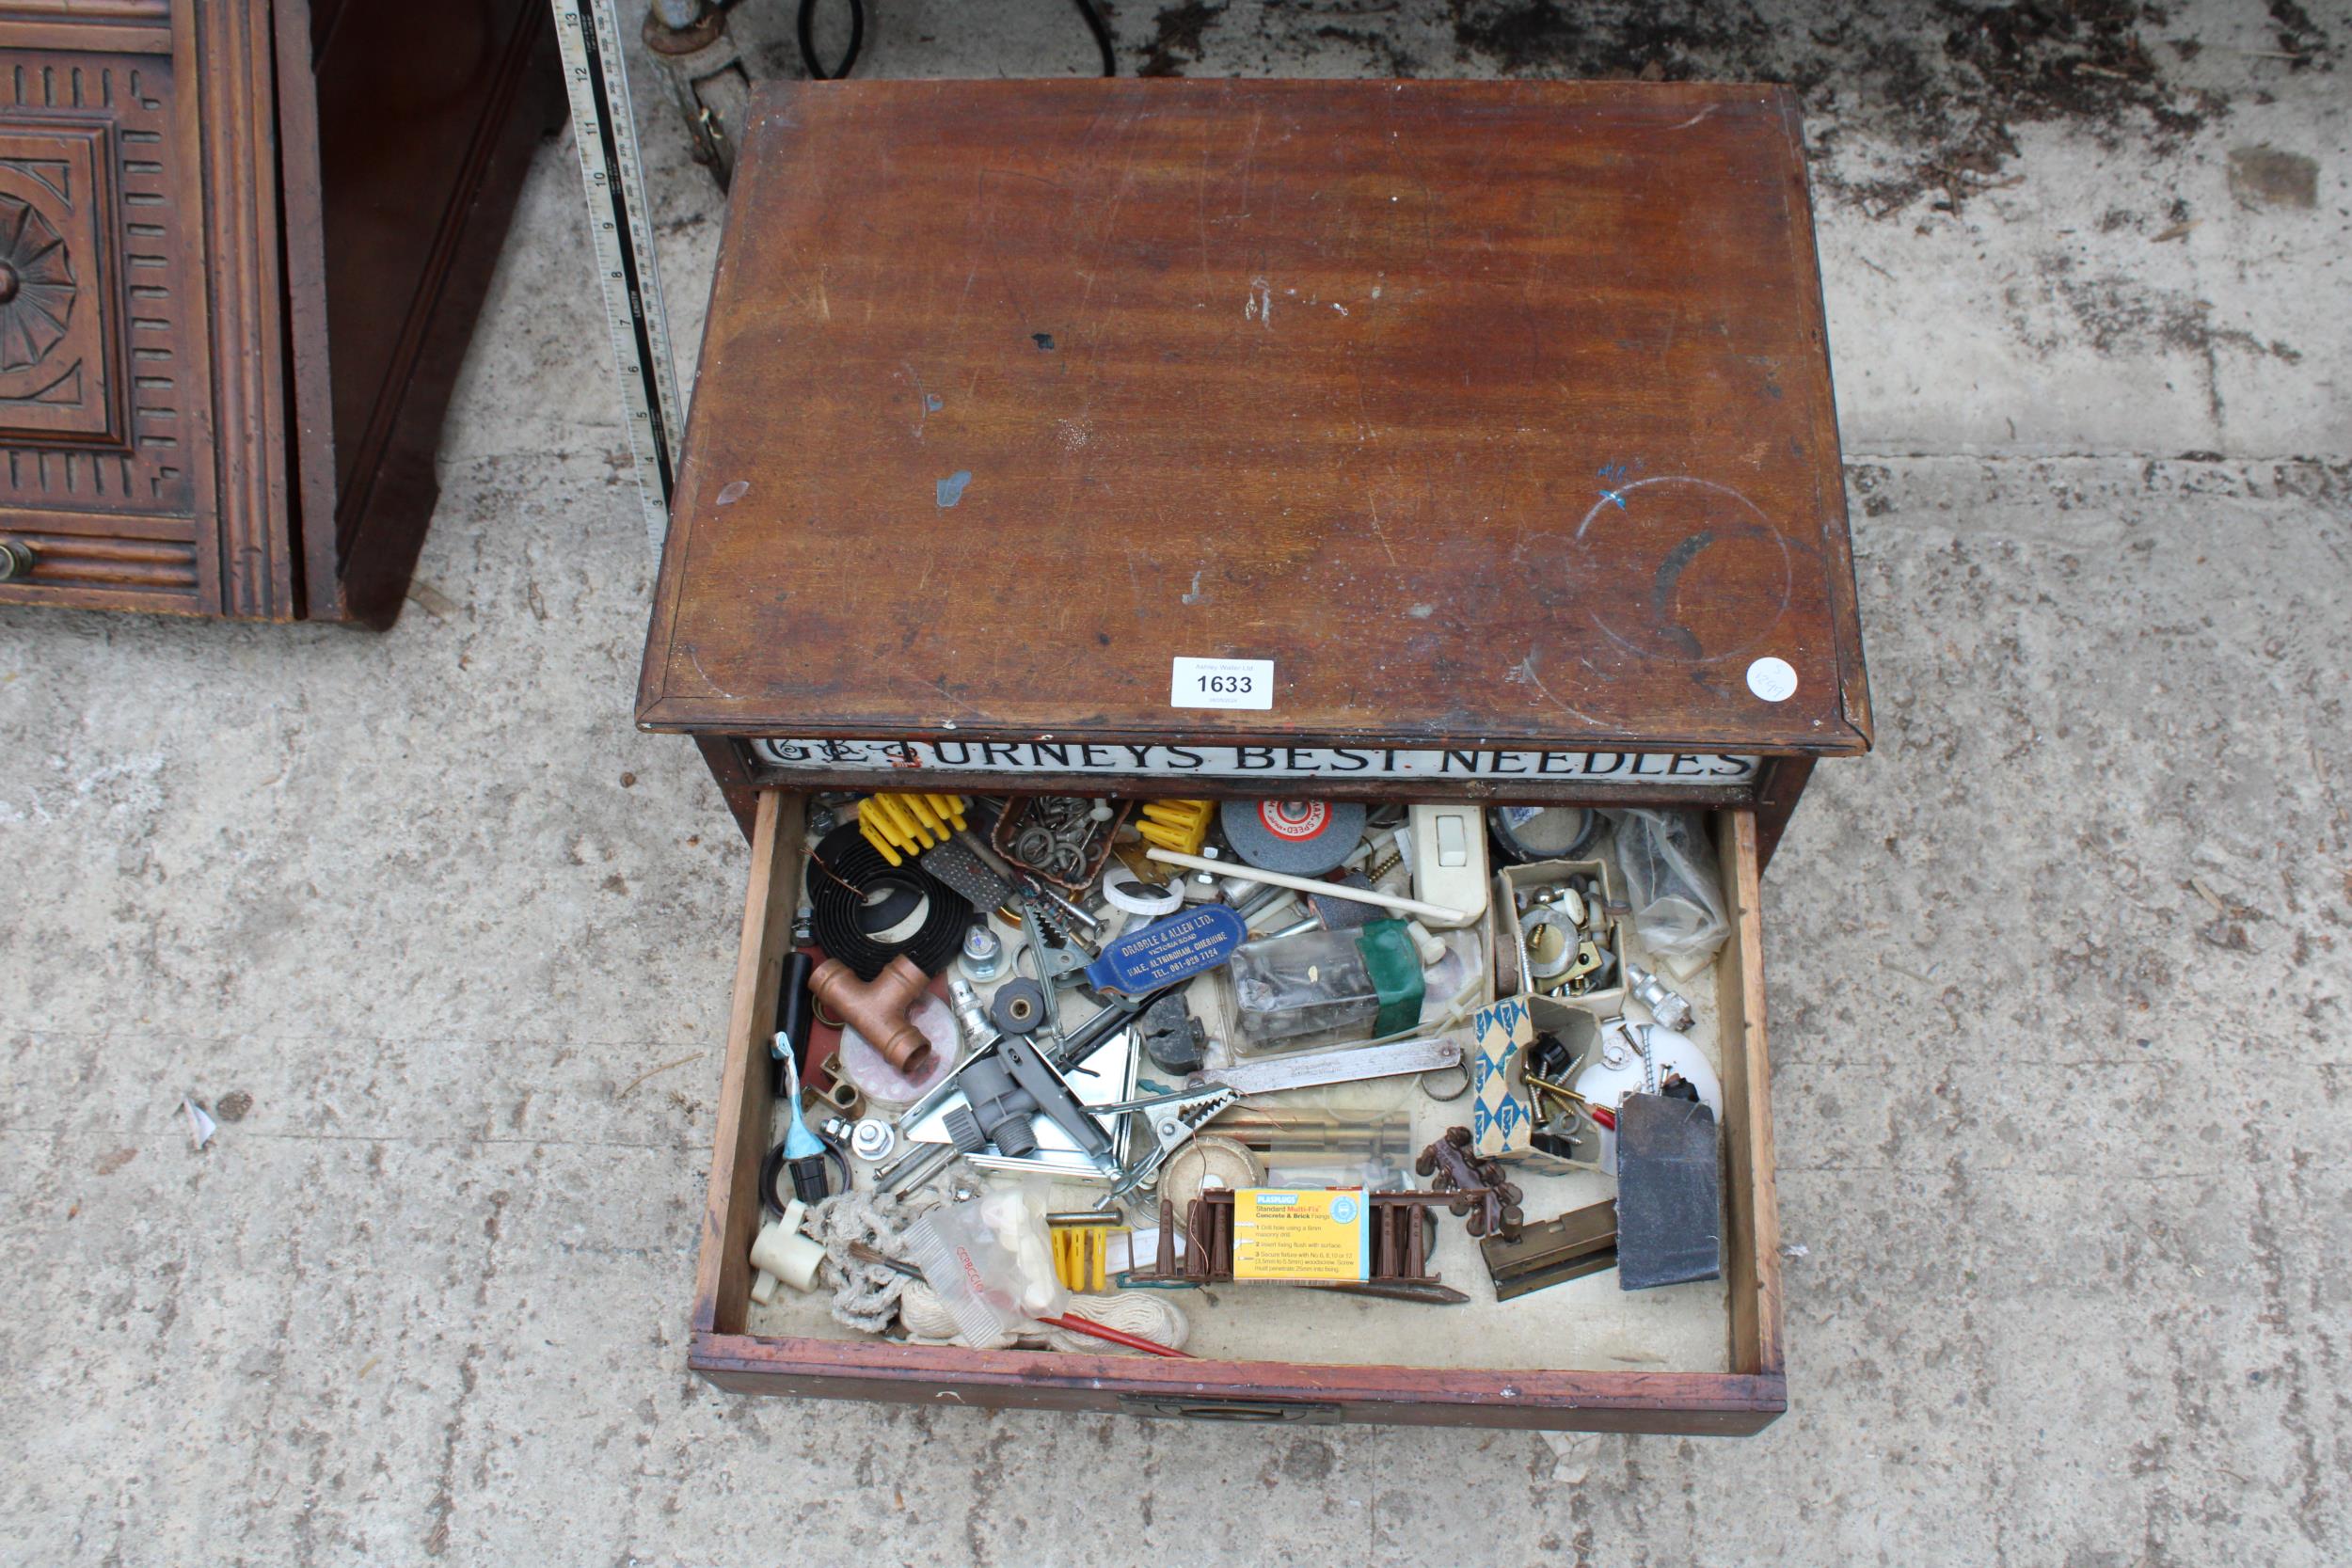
<point>1352,441</point>
<point>242,247</point>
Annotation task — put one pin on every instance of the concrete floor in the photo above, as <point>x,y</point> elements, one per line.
<point>2059,974</point>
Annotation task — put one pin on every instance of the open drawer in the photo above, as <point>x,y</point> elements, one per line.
<point>1699,1359</point>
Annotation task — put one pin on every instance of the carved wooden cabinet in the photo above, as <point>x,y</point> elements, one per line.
<point>242,246</point>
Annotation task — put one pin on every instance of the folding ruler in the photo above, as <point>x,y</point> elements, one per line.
<point>588,33</point>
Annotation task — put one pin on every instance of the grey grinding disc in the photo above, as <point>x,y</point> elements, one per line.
<point>1304,839</point>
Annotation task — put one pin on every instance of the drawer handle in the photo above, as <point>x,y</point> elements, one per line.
<point>1232,1410</point>
<point>16,561</point>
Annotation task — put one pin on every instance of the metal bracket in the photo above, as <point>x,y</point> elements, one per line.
<point>1173,1119</point>
<point>1551,1252</point>
<point>612,176</point>
<point>708,82</point>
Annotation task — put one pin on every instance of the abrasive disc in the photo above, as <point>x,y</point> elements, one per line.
<point>1304,839</point>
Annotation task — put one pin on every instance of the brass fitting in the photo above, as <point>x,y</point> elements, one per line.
<point>878,1008</point>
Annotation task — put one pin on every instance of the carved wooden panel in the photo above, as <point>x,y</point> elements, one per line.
<point>56,212</point>
<point>220,389</point>
<point>102,395</point>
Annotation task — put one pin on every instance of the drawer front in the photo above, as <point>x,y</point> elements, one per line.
<point>140,469</point>
<point>1742,1400</point>
<point>1768,784</point>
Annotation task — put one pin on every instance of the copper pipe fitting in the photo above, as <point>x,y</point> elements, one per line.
<point>878,1008</point>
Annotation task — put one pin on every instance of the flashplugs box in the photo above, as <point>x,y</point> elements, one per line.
<point>1286,1233</point>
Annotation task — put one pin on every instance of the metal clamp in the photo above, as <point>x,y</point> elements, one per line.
<point>1173,1120</point>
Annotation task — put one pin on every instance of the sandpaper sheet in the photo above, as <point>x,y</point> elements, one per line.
<point>1670,1193</point>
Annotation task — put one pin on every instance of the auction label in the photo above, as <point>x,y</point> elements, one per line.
<point>1222,682</point>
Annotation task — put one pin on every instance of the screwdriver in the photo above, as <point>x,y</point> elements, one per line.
<point>803,1151</point>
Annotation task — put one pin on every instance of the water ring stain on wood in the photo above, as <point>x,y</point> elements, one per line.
<point>1702,536</point>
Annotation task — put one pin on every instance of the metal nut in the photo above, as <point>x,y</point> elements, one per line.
<point>872,1140</point>
<point>16,561</point>
<point>1551,942</point>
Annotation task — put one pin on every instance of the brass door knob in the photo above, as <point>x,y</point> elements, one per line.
<point>16,561</point>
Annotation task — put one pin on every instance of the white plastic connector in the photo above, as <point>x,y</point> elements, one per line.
<point>780,1252</point>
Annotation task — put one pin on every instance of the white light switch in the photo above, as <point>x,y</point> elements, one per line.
<point>1449,859</point>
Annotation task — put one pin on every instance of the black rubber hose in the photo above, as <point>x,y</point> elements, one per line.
<point>1101,36</point>
<point>803,27</point>
<point>805,30</point>
<point>796,1018</point>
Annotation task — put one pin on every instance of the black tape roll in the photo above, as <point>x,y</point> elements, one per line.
<point>773,1195</point>
<point>1526,833</point>
<point>1018,1007</point>
<point>846,868</point>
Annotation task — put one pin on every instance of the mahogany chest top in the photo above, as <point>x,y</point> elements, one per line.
<point>1484,413</point>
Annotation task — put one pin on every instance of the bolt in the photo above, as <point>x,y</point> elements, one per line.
<point>983,957</point>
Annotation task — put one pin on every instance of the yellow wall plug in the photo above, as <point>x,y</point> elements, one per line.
<point>1179,825</point>
<point>891,823</point>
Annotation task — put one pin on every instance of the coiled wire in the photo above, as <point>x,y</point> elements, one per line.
<point>843,872</point>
